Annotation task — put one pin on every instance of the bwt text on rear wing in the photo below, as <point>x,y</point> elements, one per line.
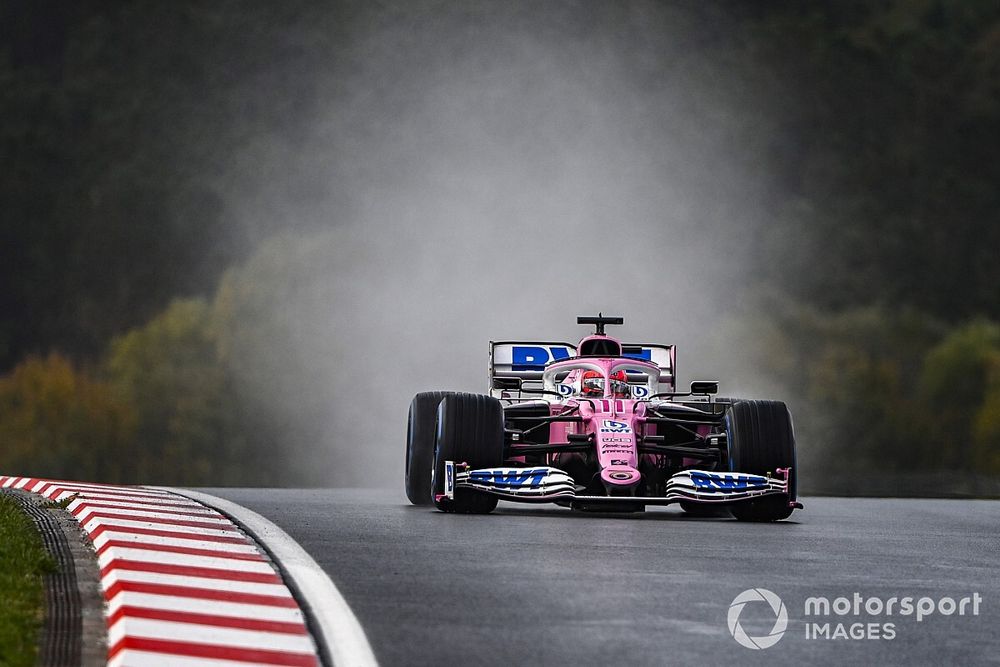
<point>526,360</point>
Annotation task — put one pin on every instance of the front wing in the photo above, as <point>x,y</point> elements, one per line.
<point>547,484</point>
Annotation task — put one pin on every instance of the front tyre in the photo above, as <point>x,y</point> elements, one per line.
<point>469,430</point>
<point>420,445</point>
<point>761,440</point>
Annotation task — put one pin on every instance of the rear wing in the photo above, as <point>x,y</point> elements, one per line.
<point>526,360</point>
<point>664,356</point>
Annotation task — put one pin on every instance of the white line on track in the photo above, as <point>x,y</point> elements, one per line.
<point>341,635</point>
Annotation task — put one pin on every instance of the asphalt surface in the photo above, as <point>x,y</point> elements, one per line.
<point>545,585</point>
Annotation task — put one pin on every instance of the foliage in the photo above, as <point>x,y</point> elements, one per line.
<point>56,421</point>
<point>214,389</point>
<point>118,119</point>
<point>882,152</point>
<point>133,132</point>
<point>168,373</point>
<point>228,392</point>
<point>135,205</point>
<point>23,561</point>
<point>961,383</point>
<point>887,390</point>
<point>274,355</point>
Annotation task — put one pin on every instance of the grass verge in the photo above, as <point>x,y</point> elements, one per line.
<point>23,562</point>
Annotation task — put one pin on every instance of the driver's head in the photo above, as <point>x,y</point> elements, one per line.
<point>592,384</point>
<point>619,385</point>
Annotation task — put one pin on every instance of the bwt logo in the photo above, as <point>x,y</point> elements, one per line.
<point>777,607</point>
<point>534,358</point>
<point>514,478</point>
<point>711,482</point>
<point>611,426</point>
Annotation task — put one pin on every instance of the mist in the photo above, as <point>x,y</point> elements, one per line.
<point>253,230</point>
<point>480,171</point>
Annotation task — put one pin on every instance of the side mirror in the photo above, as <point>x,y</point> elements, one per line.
<point>509,384</point>
<point>705,387</point>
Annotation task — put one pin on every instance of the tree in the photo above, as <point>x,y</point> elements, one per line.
<point>959,387</point>
<point>169,373</point>
<point>56,422</point>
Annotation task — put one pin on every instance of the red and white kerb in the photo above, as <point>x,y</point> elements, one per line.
<point>183,585</point>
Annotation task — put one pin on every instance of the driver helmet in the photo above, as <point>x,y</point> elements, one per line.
<point>592,384</point>
<point>619,385</point>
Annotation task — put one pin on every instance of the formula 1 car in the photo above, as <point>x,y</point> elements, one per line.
<point>599,426</point>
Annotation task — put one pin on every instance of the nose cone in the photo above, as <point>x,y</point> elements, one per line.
<point>620,480</point>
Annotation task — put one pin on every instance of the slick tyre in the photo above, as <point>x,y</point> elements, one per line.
<point>469,430</point>
<point>420,445</point>
<point>761,440</point>
<point>728,400</point>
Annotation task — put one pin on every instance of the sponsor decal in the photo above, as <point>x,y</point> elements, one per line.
<point>612,426</point>
<point>638,391</point>
<point>449,479</point>
<point>534,357</point>
<point>565,390</point>
<point>510,478</point>
<point>617,439</point>
<point>644,354</point>
<point>619,462</point>
<point>709,481</point>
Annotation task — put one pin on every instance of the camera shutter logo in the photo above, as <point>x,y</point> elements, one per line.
<point>780,620</point>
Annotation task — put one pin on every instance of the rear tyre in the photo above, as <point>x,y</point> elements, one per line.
<point>420,445</point>
<point>761,440</point>
<point>729,400</point>
<point>469,430</point>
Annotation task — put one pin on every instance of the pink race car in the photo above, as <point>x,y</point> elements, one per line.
<point>599,426</point>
